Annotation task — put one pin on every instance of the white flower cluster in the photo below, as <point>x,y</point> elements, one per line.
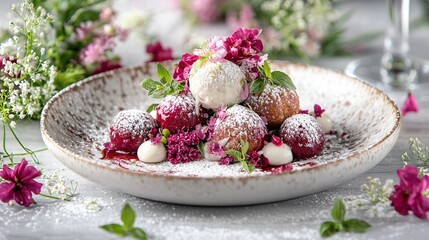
<point>27,78</point>
<point>303,22</point>
<point>419,153</point>
<point>59,186</point>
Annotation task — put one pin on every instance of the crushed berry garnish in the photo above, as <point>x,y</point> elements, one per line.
<point>318,110</point>
<point>276,141</point>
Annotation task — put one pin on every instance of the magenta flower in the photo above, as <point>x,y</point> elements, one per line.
<point>184,67</point>
<point>318,110</point>
<point>410,105</point>
<point>83,30</point>
<point>226,160</point>
<point>19,183</point>
<point>256,159</point>
<point>243,43</point>
<point>106,65</point>
<point>276,141</point>
<point>158,52</point>
<point>183,147</point>
<point>409,194</point>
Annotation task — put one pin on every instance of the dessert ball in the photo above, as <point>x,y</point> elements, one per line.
<point>275,103</point>
<point>152,152</point>
<point>240,123</point>
<point>325,122</point>
<point>277,154</point>
<point>179,113</point>
<point>129,129</point>
<point>217,84</point>
<point>303,134</point>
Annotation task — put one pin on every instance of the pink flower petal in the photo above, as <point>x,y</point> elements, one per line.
<point>6,191</point>
<point>410,105</point>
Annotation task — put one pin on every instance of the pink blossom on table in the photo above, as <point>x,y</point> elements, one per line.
<point>106,65</point>
<point>206,11</point>
<point>410,105</point>
<point>95,51</point>
<point>244,18</point>
<point>106,14</point>
<point>409,194</point>
<point>183,147</point>
<point>158,52</point>
<point>256,159</point>
<point>19,183</point>
<point>276,141</point>
<point>83,30</point>
<point>182,70</point>
<point>318,111</point>
<point>226,160</point>
<point>243,43</point>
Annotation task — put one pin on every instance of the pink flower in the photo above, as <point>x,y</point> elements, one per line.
<point>182,70</point>
<point>106,14</point>
<point>245,18</point>
<point>83,30</point>
<point>256,159</point>
<point>409,194</point>
<point>206,11</point>
<point>95,52</point>
<point>243,43</point>
<point>303,111</point>
<point>410,105</point>
<point>318,111</point>
<point>217,49</point>
<point>182,147</point>
<point>158,52</point>
<point>276,140</point>
<point>19,183</point>
<point>226,160</point>
<point>215,148</point>
<point>106,65</point>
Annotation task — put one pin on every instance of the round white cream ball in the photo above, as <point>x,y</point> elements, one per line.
<point>149,152</point>
<point>217,84</point>
<point>326,122</point>
<point>277,155</point>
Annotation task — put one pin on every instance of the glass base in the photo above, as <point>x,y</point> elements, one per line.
<point>370,70</point>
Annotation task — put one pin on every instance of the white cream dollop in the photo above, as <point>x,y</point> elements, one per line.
<point>326,122</point>
<point>217,84</point>
<point>153,114</point>
<point>277,155</point>
<point>149,152</point>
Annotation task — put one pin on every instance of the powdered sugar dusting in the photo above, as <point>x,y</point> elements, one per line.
<point>133,121</point>
<point>305,127</point>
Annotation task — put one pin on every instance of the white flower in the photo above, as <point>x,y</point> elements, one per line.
<point>59,186</point>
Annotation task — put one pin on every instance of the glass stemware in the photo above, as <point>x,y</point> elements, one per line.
<point>395,69</point>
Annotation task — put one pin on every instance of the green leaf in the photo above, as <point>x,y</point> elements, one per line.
<point>84,15</point>
<point>138,233</point>
<point>258,86</point>
<point>201,148</point>
<point>282,79</point>
<point>163,73</point>
<point>338,211</point>
<point>150,85</point>
<point>267,69</point>
<point>246,166</point>
<point>114,228</point>
<point>355,225</point>
<point>151,107</point>
<point>244,148</point>
<point>235,154</point>
<point>128,216</point>
<point>328,229</point>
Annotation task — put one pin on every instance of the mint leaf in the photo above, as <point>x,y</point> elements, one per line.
<point>163,73</point>
<point>114,228</point>
<point>128,216</point>
<point>235,154</point>
<point>244,148</point>
<point>200,147</point>
<point>355,225</point>
<point>338,211</point>
<point>150,85</point>
<point>246,166</point>
<point>267,69</point>
<point>138,233</point>
<point>258,86</point>
<point>328,229</point>
<point>282,79</point>
<point>151,107</point>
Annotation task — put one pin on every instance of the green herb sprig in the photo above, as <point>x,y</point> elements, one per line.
<point>165,86</point>
<point>128,217</point>
<point>339,224</point>
<point>277,78</point>
<point>240,156</point>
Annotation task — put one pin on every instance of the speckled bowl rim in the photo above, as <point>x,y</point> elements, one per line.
<point>74,87</point>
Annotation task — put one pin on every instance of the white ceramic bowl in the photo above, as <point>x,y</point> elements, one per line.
<point>75,122</point>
